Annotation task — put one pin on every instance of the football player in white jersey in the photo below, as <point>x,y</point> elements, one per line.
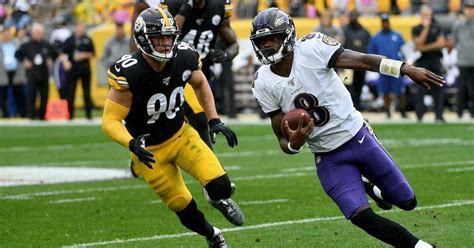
<point>300,74</point>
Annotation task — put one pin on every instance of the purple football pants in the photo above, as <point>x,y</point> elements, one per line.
<point>340,170</point>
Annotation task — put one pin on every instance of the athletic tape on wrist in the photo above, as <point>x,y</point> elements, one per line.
<point>293,150</point>
<point>390,67</point>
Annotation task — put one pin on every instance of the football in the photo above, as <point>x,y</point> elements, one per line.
<point>293,118</point>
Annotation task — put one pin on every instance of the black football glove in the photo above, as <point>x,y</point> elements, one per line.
<point>219,56</point>
<point>137,146</point>
<point>216,126</point>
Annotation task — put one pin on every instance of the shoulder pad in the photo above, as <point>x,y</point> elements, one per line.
<point>116,78</point>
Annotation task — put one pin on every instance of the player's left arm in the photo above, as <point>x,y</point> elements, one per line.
<point>204,95</point>
<point>349,59</point>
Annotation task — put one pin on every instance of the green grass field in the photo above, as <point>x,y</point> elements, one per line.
<point>280,195</point>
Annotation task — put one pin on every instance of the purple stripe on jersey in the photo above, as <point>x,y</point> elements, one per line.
<point>340,170</point>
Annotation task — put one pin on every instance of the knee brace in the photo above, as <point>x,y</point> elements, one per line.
<point>219,188</point>
<point>383,229</point>
<point>194,220</point>
<point>408,205</point>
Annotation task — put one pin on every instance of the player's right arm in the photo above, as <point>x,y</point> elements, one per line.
<point>117,107</point>
<point>296,138</point>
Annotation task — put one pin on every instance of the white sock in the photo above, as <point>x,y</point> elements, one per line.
<point>422,244</point>
<point>216,231</point>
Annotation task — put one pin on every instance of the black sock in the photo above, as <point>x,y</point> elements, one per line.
<point>194,220</point>
<point>384,229</point>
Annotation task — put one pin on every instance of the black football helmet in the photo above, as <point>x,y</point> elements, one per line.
<point>273,21</point>
<point>155,22</point>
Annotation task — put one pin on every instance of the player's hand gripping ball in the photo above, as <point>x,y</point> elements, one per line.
<point>293,118</point>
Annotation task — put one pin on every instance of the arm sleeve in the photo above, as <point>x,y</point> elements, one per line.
<point>112,125</point>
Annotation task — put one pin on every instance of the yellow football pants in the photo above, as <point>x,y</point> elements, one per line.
<point>183,151</point>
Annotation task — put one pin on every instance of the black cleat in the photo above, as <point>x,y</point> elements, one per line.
<point>369,189</point>
<point>228,208</point>
<point>217,241</point>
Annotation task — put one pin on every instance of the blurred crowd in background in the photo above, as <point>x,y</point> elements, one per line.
<point>57,30</point>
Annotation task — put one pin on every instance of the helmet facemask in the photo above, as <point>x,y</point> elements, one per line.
<point>272,55</point>
<point>276,23</point>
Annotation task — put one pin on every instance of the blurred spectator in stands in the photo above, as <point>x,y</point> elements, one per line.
<point>429,40</point>
<point>328,28</point>
<point>439,7</point>
<point>60,31</point>
<point>388,43</point>
<point>366,7</point>
<point>343,18</point>
<point>340,6</point>
<point>11,75</point>
<point>79,49</point>
<point>116,46</point>
<point>449,61</point>
<point>58,36</point>
<point>21,35</point>
<point>19,16</point>
<point>416,5</point>
<point>297,8</point>
<point>394,9</point>
<point>247,8</point>
<point>36,55</point>
<point>463,34</point>
<point>356,38</point>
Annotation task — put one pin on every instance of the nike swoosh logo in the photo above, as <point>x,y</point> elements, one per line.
<point>117,68</point>
<point>361,140</point>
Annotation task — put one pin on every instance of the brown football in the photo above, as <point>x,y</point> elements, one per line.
<point>293,118</point>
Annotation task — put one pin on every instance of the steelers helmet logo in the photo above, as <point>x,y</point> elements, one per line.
<point>139,23</point>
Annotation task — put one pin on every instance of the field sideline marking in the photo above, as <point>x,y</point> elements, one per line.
<point>390,143</point>
<point>28,196</point>
<point>460,169</point>
<point>409,166</point>
<point>259,226</point>
<point>262,202</point>
<point>295,172</point>
<point>73,200</point>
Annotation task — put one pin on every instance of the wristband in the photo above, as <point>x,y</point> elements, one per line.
<point>293,150</point>
<point>390,67</point>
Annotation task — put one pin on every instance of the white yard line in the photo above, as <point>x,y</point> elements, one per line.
<point>290,172</point>
<point>28,196</point>
<point>64,192</point>
<point>409,166</point>
<point>260,226</point>
<point>60,201</point>
<point>51,147</point>
<point>461,169</point>
<point>262,202</point>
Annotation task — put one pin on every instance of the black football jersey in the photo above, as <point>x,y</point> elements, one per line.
<point>157,96</point>
<point>201,28</point>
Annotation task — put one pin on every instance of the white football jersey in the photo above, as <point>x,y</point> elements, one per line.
<point>310,74</point>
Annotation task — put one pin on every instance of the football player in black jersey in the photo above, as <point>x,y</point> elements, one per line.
<point>147,92</point>
<point>200,22</point>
